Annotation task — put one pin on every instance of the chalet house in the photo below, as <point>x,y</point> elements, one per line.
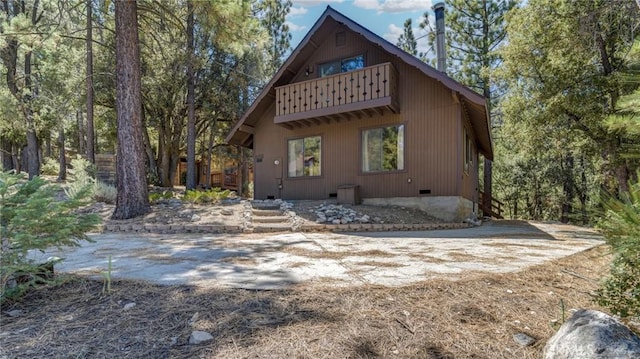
<point>349,111</point>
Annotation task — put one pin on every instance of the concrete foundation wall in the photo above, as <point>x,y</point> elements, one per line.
<point>445,208</point>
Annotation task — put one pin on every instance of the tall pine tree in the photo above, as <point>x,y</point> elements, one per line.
<point>475,30</point>
<point>407,40</point>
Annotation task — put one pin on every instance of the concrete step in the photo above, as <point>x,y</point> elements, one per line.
<point>267,213</point>
<point>270,219</point>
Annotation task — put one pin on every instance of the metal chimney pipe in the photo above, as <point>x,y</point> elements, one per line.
<point>438,9</point>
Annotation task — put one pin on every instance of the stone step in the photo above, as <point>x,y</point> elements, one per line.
<point>271,227</point>
<point>270,219</point>
<point>267,213</point>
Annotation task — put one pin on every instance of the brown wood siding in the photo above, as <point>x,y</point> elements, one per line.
<point>433,139</point>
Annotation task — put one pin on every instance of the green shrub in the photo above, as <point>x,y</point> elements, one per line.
<point>209,196</point>
<point>620,292</point>
<point>104,192</point>
<point>50,167</point>
<point>31,218</point>
<point>81,176</point>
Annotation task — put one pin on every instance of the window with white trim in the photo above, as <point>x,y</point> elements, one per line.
<point>304,157</point>
<point>383,149</point>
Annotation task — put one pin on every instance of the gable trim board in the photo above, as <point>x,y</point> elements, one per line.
<point>265,121</point>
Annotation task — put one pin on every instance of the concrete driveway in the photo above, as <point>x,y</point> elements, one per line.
<point>271,261</point>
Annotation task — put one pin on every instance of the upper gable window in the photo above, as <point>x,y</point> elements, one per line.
<point>341,65</point>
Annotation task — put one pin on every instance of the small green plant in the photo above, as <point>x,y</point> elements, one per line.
<point>106,285</point>
<point>620,292</point>
<point>159,196</point>
<point>556,324</point>
<point>33,218</point>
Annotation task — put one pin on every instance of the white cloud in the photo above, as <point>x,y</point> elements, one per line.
<point>393,33</point>
<point>395,6</point>
<point>296,11</point>
<point>367,4</point>
<point>293,27</point>
<point>314,2</point>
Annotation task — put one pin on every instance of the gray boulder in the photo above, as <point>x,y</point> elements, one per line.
<point>591,334</point>
<point>198,337</point>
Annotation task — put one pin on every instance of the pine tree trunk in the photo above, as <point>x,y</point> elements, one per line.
<point>151,160</point>
<point>62,172</point>
<point>209,152</point>
<point>79,120</point>
<point>90,132</point>
<point>6,153</point>
<point>567,188</point>
<point>191,119</point>
<point>33,147</point>
<point>133,198</point>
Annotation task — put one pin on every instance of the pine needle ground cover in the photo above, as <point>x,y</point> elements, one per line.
<point>475,317</point>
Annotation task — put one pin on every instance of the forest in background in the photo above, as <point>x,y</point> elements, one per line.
<point>561,78</point>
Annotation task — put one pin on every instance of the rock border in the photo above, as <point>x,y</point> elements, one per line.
<point>235,229</point>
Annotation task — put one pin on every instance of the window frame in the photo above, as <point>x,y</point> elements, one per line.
<point>303,176</point>
<point>467,160</point>
<point>362,147</point>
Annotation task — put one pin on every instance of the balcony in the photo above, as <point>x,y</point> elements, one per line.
<point>341,97</point>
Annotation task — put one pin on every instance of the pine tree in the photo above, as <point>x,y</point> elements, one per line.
<point>407,41</point>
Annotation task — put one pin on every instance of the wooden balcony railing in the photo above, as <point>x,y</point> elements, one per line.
<point>367,88</point>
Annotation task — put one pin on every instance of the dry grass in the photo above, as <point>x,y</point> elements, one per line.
<point>474,317</point>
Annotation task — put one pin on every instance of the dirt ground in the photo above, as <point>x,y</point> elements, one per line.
<point>473,317</point>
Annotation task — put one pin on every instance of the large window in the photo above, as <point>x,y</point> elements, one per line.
<point>341,65</point>
<point>304,156</point>
<point>383,149</point>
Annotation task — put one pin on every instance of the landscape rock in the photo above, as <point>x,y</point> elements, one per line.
<point>198,337</point>
<point>15,313</point>
<point>591,334</point>
<point>129,306</point>
<point>195,218</point>
<point>337,214</point>
<point>524,339</point>
<point>226,212</point>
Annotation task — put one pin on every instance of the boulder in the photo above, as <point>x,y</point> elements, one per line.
<point>198,337</point>
<point>591,334</point>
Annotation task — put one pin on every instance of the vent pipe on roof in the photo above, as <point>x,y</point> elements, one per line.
<point>438,9</point>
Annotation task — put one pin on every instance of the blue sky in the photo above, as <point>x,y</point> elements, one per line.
<point>383,17</point>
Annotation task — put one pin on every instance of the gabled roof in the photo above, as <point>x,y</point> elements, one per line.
<point>473,103</point>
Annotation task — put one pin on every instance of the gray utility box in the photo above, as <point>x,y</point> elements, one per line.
<point>349,194</point>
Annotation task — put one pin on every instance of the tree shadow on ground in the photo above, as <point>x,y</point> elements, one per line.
<point>85,322</point>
